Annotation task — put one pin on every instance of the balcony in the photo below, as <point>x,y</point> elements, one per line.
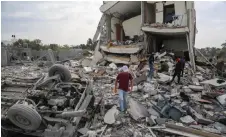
<point>121,8</point>
<point>163,29</point>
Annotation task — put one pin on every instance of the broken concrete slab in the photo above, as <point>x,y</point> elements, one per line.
<point>149,88</point>
<point>163,78</point>
<point>187,120</point>
<point>208,107</point>
<point>137,110</point>
<point>118,59</point>
<point>161,121</point>
<point>86,62</point>
<point>201,120</point>
<point>153,112</point>
<point>220,127</point>
<point>196,88</point>
<point>122,49</point>
<point>97,55</point>
<point>222,99</point>
<point>110,116</point>
<point>83,130</point>
<point>214,82</point>
<point>140,79</point>
<point>151,120</point>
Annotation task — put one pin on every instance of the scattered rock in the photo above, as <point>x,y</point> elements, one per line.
<point>187,120</point>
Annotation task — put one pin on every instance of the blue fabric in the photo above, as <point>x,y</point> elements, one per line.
<point>151,70</point>
<point>122,100</point>
<point>182,60</point>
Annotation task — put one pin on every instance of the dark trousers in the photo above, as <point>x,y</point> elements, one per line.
<point>182,72</point>
<point>178,76</point>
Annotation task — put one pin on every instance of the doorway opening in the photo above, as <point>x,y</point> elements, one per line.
<point>169,13</point>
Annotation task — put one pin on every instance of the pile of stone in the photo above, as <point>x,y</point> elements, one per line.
<point>195,107</point>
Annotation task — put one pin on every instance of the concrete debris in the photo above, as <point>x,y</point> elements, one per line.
<point>163,78</point>
<point>161,121</point>
<point>196,88</point>
<point>113,66</point>
<point>215,82</point>
<point>88,99</point>
<point>220,127</point>
<point>110,116</point>
<point>222,99</point>
<point>187,120</point>
<point>137,110</point>
<point>86,62</point>
<point>201,120</point>
<point>151,120</point>
<point>88,69</point>
<point>148,88</point>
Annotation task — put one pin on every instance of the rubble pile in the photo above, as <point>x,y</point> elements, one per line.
<point>156,108</point>
<point>194,107</point>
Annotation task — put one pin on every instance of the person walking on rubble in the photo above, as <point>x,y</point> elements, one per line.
<point>151,65</point>
<point>125,81</point>
<point>177,70</point>
<point>183,65</point>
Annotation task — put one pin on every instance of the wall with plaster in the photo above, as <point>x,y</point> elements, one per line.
<point>132,26</point>
<point>113,28</point>
<point>180,9</point>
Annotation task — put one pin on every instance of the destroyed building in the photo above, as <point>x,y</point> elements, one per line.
<point>133,27</point>
<point>72,99</point>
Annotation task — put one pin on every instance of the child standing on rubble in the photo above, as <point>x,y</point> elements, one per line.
<point>125,81</point>
<point>177,70</point>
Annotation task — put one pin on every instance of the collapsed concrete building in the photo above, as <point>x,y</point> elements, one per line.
<point>129,30</point>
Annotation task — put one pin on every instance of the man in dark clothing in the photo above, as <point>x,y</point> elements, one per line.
<point>151,65</point>
<point>177,70</point>
<point>125,81</point>
<point>183,65</point>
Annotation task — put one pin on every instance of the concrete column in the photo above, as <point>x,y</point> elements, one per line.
<point>142,12</point>
<point>108,25</point>
<point>190,38</point>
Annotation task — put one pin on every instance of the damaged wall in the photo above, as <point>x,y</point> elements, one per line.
<point>63,54</point>
<point>70,54</point>
<point>132,26</point>
<point>176,44</point>
<point>4,56</point>
<point>114,21</point>
<point>180,10</point>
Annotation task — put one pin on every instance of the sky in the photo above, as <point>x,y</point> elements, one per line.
<point>74,22</point>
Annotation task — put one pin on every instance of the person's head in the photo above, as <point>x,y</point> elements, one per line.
<point>177,59</point>
<point>124,69</point>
